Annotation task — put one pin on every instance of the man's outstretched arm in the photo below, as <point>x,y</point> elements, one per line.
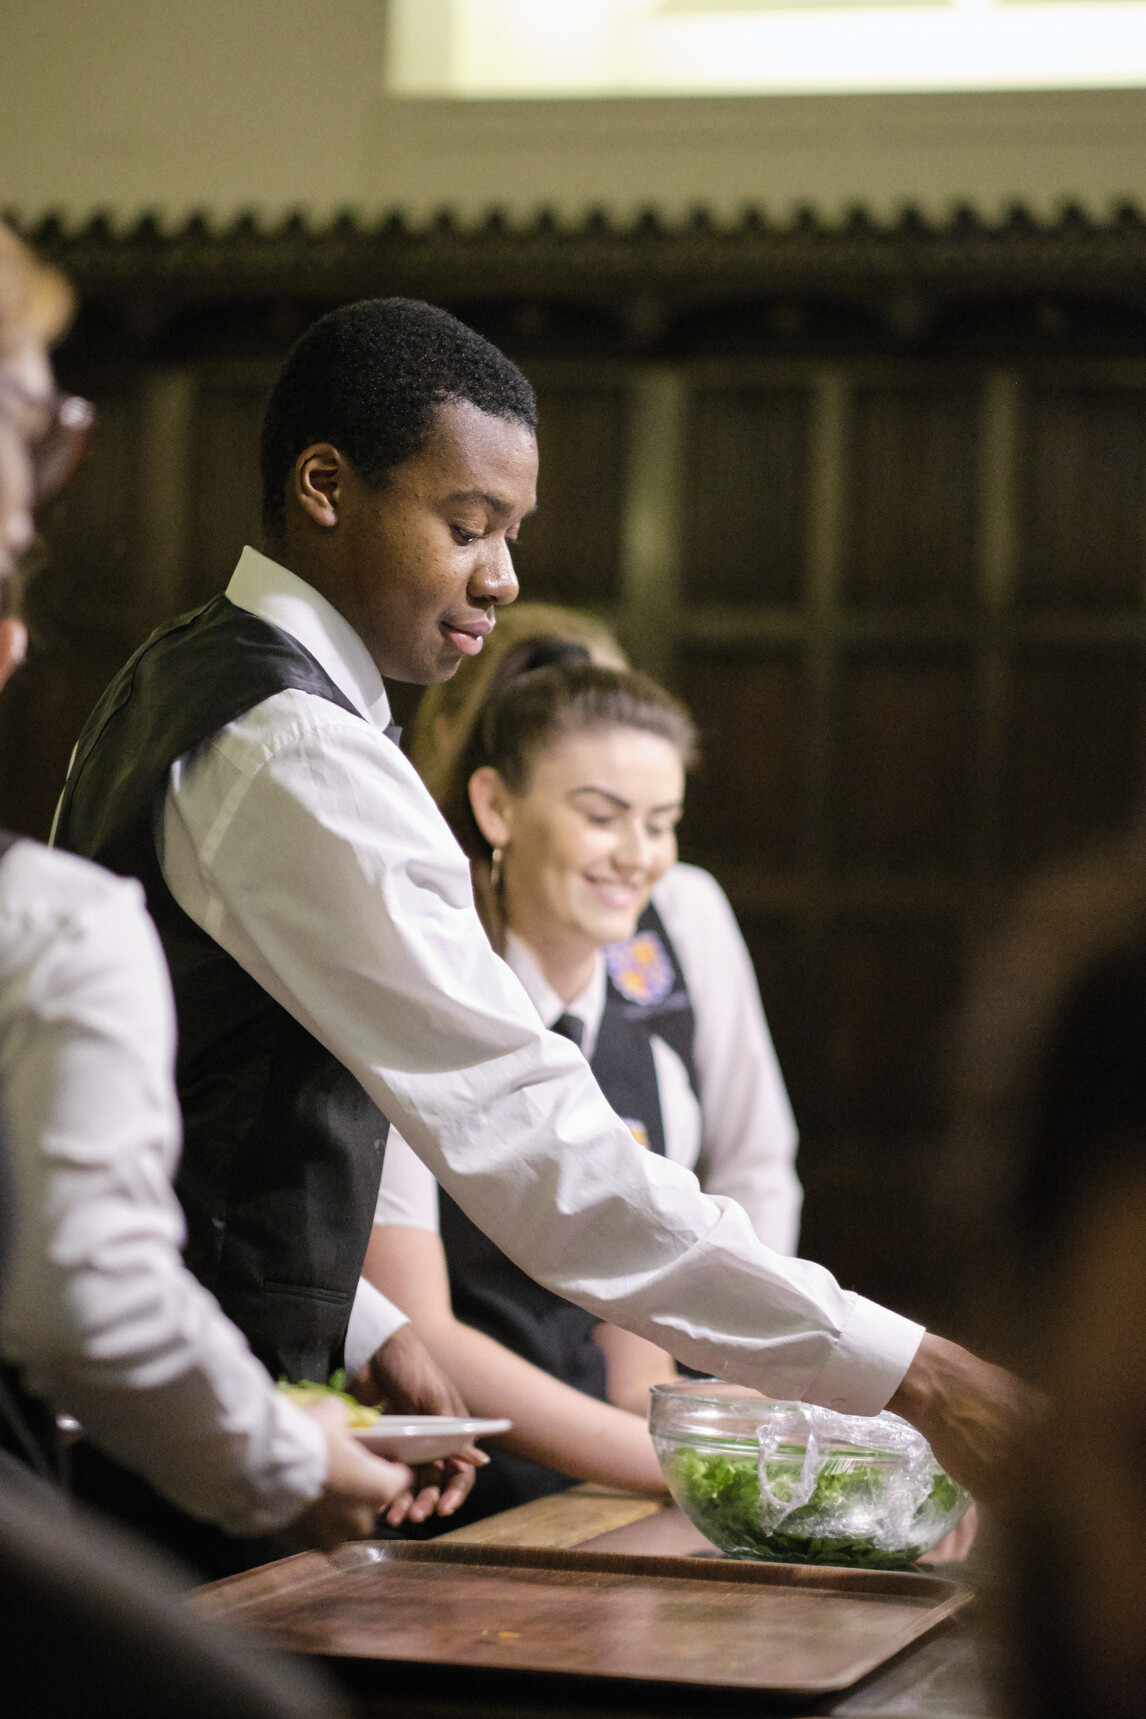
<point>306,845</point>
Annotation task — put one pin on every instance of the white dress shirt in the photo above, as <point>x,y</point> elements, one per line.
<point>97,1308</point>
<point>302,840</point>
<point>741,1137</point>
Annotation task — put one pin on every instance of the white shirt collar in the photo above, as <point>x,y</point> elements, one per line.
<point>588,1007</point>
<point>279,596</point>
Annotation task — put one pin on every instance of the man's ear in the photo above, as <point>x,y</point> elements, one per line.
<point>492,806</point>
<point>317,483</point>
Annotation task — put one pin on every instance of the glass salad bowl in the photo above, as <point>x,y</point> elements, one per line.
<point>796,1484</point>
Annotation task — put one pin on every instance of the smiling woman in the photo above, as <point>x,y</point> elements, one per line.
<point>574,777</point>
<point>564,786</point>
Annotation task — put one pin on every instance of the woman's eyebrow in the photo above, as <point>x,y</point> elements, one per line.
<point>624,805</point>
<point>605,794</point>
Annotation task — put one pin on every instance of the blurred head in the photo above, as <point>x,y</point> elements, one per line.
<point>399,457</point>
<point>574,773</point>
<point>447,712</point>
<point>1051,1172</point>
<point>42,435</point>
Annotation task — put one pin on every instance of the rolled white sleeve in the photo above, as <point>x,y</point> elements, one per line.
<point>749,1138</point>
<point>373,1321</point>
<point>98,1309</point>
<point>305,843</point>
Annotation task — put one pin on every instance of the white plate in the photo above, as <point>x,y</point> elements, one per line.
<point>423,1438</point>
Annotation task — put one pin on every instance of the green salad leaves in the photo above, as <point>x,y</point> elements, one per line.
<point>721,1494</point>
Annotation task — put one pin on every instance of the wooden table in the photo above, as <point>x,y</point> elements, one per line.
<point>936,1678</point>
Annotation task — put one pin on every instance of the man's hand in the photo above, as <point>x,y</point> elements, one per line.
<point>403,1378</point>
<point>359,1487</point>
<point>972,1414</point>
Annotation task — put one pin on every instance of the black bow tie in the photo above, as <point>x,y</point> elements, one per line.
<point>571,1027</point>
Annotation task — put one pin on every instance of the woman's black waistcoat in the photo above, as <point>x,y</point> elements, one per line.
<point>282,1147</point>
<point>487,1289</point>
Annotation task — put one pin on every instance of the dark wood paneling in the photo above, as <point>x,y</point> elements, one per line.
<point>568,550</point>
<point>778,944</point>
<point>225,504</point>
<point>903,759</point>
<point>840,736</point>
<point>1083,497</point>
<point>91,532</point>
<point>42,710</point>
<point>746,797</point>
<point>1074,757</point>
<point>892,982</point>
<point>912,463</point>
<point>745,494</point>
<point>83,610</point>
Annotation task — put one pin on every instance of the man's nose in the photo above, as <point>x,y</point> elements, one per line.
<point>494,580</point>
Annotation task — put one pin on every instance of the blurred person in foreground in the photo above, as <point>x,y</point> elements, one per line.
<point>98,1314</point>
<point>1049,1178</point>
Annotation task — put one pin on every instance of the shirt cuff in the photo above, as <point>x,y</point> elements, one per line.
<point>373,1321</point>
<point>873,1352</point>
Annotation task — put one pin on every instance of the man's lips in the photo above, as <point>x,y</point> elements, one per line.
<point>470,637</point>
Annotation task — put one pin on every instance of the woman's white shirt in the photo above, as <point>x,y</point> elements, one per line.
<point>740,1138</point>
<point>748,1139</point>
<point>97,1308</point>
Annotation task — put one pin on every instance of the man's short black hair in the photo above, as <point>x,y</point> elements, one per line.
<point>368,378</point>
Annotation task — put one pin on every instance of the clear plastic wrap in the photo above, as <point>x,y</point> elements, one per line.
<point>795,1483</point>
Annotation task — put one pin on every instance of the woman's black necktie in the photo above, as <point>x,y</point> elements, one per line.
<point>571,1027</point>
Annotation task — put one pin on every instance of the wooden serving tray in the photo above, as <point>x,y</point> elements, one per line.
<point>783,1629</point>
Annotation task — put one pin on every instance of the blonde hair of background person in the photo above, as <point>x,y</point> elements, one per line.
<point>36,306</point>
<point>36,302</point>
<point>745,1112</point>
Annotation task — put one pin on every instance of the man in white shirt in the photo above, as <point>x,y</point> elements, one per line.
<point>318,919</point>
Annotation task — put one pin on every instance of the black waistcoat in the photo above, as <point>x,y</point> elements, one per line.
<point>490,1292</point>
<point>282,1148</point>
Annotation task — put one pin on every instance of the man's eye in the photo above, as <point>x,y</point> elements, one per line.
<point>462,536</point>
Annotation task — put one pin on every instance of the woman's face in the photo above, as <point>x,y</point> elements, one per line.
<point>590,836</point>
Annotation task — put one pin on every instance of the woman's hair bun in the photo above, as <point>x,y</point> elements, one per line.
<point>533,654</point>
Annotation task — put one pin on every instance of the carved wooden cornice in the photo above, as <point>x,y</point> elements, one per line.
<point>347,256</point>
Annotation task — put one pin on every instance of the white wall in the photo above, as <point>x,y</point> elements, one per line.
<point>272,105</point>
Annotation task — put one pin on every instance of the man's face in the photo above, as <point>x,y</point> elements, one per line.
<point>419,567</point>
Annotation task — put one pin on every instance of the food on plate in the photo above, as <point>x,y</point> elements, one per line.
<point>306,1393</point>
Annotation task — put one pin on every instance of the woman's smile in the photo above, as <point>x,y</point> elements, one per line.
<point>613,894</point>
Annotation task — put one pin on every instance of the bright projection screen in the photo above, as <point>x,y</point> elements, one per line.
<point>529,49</point>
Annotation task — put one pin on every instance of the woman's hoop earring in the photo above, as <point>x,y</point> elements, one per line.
<point>495,860</point>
